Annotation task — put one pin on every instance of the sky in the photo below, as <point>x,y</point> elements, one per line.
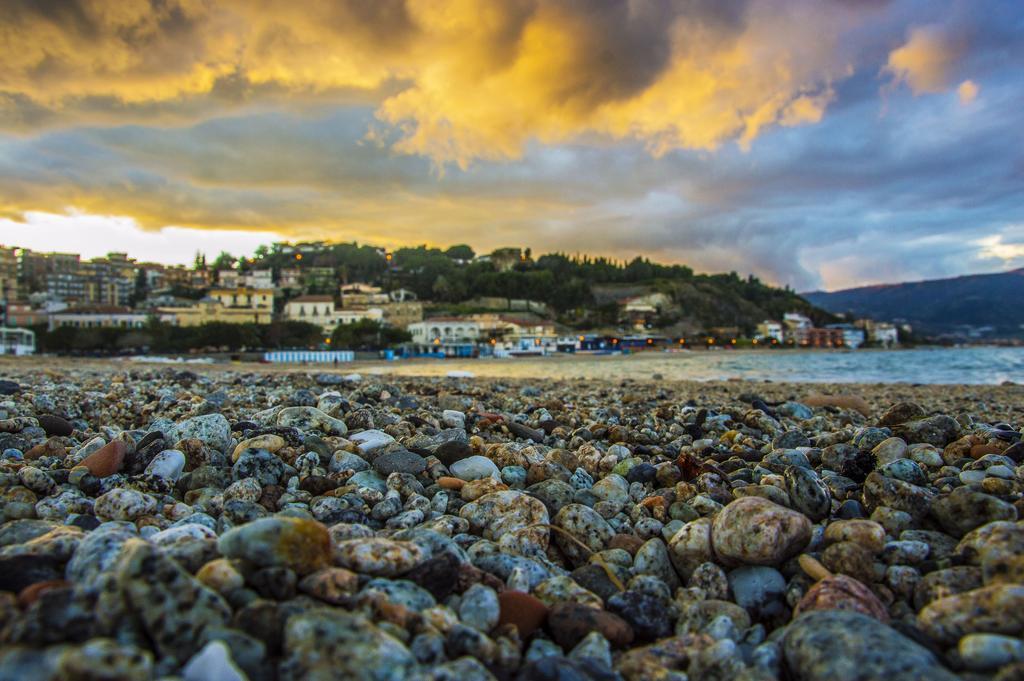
<point>814,143</point>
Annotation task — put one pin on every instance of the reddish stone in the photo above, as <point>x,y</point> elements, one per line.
<point>52,447</point>
<point>978,451</point>
<point>627,542</point>
<point>570,622</point>
<point>106,460</point>
<point>521,610</point>
<point>30,594</point>
<point>450,483</point>
<point>840,592</point>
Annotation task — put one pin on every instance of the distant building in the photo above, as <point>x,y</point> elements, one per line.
<point>260,279</point>
<point>317,310</point>
<point>322,279</point>
<point>254,299</point>
<point>290,278</point>
<point>101,316</point>
<point>884,334</point>
<point>22,313</point>
<point>794,321</point>
<point>399,315</point>
<point>9,289</point>
<point>353,315</point>
<point>771,330</point>
<point>233,306</point>
<point>444,330</point>
<point>852,336</point>
<point>819,338</point>
<point>356,295</point>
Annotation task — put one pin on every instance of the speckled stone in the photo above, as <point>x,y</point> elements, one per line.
<point>880,490</point>
<point>104,658</point>
<point>847,646</point>
<point>755,531</point>
<point>310,418</point>
<point>172,607</point>
<point>807,493</point>
<point>212,429</point>
<point>691,546</point>
<point>997,609</point>
<point>508,512</point>
<point>378,556</point>
<point>323,645</point>
<point>299,544</point>
<point>587,526</point>
<point>866,533</point>
<point>124,504</point>
<point>964,509</point>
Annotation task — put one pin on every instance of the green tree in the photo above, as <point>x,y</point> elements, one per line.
<point>224,261</point>
<point>460,252</point>
<point>367,334</point>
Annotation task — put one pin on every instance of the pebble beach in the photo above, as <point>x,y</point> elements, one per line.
<point>220,523</point>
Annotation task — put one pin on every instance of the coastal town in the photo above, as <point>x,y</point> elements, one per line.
<point>57,294</point>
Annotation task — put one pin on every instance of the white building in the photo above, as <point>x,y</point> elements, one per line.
<point>884,334</point>
<point>795,321</point>
<point>351,316</point>
<point>104,316</point>
<point>444,330</point>
<point>771,330</point>
<point>261,279</point>
<point>317,310</point>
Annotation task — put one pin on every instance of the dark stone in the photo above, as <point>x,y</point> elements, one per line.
<point>318,485</point>
<point>18,572</point>
<point>570,622</point>
<point>9,387</point>
<point>55,425</point>
<point>1015,452</point>
<point>401,461</point>
<point>791,439</point>
<point>642,473</point>
<point>836,645</point>
<point>277,583</point>
<point>648,615</point>
<point>438,575</point>
<point>593,578</point>
<point>86,522</point>
<point>524,431</point>
<point>850,509</point>
<point>848,461</point>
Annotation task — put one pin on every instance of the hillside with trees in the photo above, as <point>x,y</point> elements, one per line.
<point>581,292</point>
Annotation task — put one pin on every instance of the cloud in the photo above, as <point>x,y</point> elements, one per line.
<point>453,80</point>
<point>927,61</point>
<point>967,91</point>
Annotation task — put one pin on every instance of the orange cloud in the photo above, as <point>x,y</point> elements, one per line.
<point>967,91</point>
<point>454,80</point>
<point>927,61</point>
